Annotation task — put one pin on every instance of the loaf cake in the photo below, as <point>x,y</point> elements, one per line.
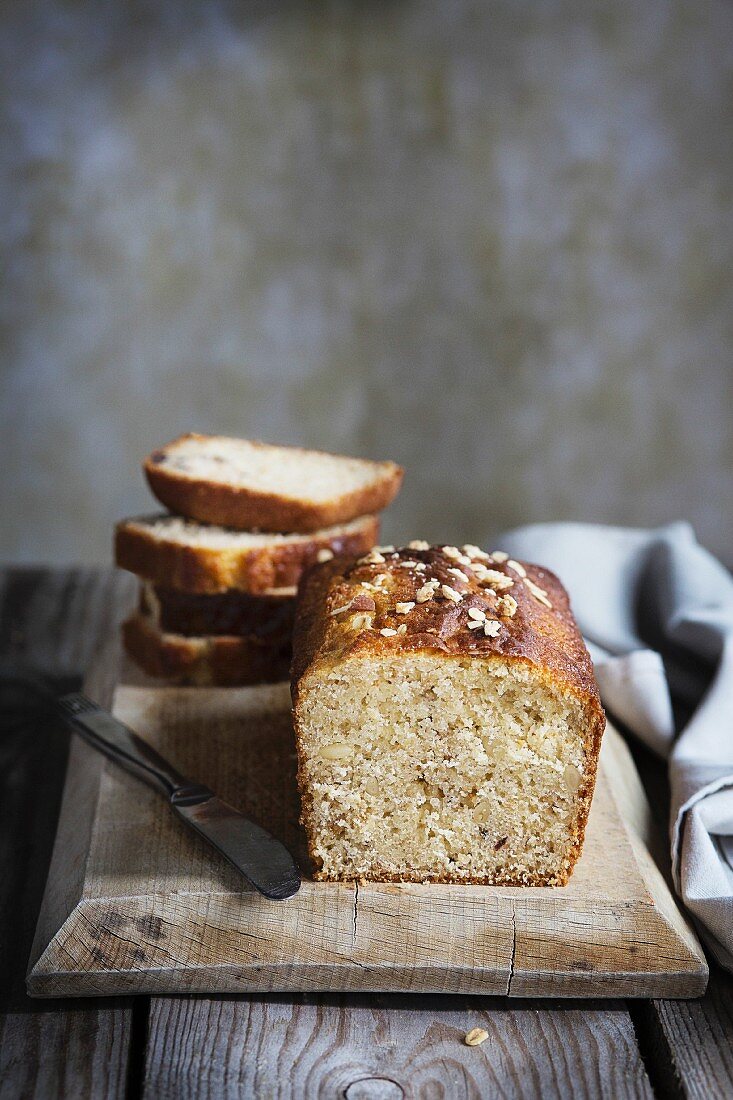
<point>181,553</point>
<point>248,485</point>
<point>447,720</point>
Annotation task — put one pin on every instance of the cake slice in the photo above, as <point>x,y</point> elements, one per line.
<point>215,659</point>
<point>265,619</point>
<point>180,553</point>
<point>249,485</point>
<point>447,719</point>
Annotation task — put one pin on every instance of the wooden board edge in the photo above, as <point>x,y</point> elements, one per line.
<point>228,980</point>
<point>47,982</point>
<point>84,771</point>
<point>652,859</point>
<point>65,880</point>
<point>676,985</point>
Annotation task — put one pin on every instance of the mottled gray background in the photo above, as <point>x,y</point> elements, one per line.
<point>489,240</point>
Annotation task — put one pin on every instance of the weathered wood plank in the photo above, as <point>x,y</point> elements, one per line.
<point>53,621</point>
<point>693,1043</point>
<point>75,1051</point>
<point>386,1047</point>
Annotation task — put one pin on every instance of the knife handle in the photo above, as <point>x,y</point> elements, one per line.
<point>117,741</point>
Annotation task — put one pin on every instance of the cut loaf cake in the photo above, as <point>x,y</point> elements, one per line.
<point>447,719</point>
<point>249,485</point>
<point>180,553</point>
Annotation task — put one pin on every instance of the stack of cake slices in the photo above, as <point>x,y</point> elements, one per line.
<point>219,571</point>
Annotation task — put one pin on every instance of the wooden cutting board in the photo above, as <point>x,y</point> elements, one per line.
<point>136,903</point>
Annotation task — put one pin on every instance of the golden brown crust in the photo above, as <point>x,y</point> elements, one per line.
<point>245,509</point>
<point>544,636</point>
<point>223,661</point>
<point>547,637</point>
<point>212,569</point>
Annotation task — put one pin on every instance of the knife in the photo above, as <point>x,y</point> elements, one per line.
<point>262,859</point>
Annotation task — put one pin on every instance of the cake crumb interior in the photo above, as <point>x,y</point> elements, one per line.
<point>427,768</point>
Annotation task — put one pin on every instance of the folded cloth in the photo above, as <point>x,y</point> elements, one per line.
<point>657,612</point>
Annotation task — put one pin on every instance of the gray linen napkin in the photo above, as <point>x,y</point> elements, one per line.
<point>656,610</point>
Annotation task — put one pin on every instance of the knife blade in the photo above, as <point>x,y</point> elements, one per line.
<point>259,856</point>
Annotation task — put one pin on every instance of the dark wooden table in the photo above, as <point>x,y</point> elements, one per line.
<point>366,1046</point>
